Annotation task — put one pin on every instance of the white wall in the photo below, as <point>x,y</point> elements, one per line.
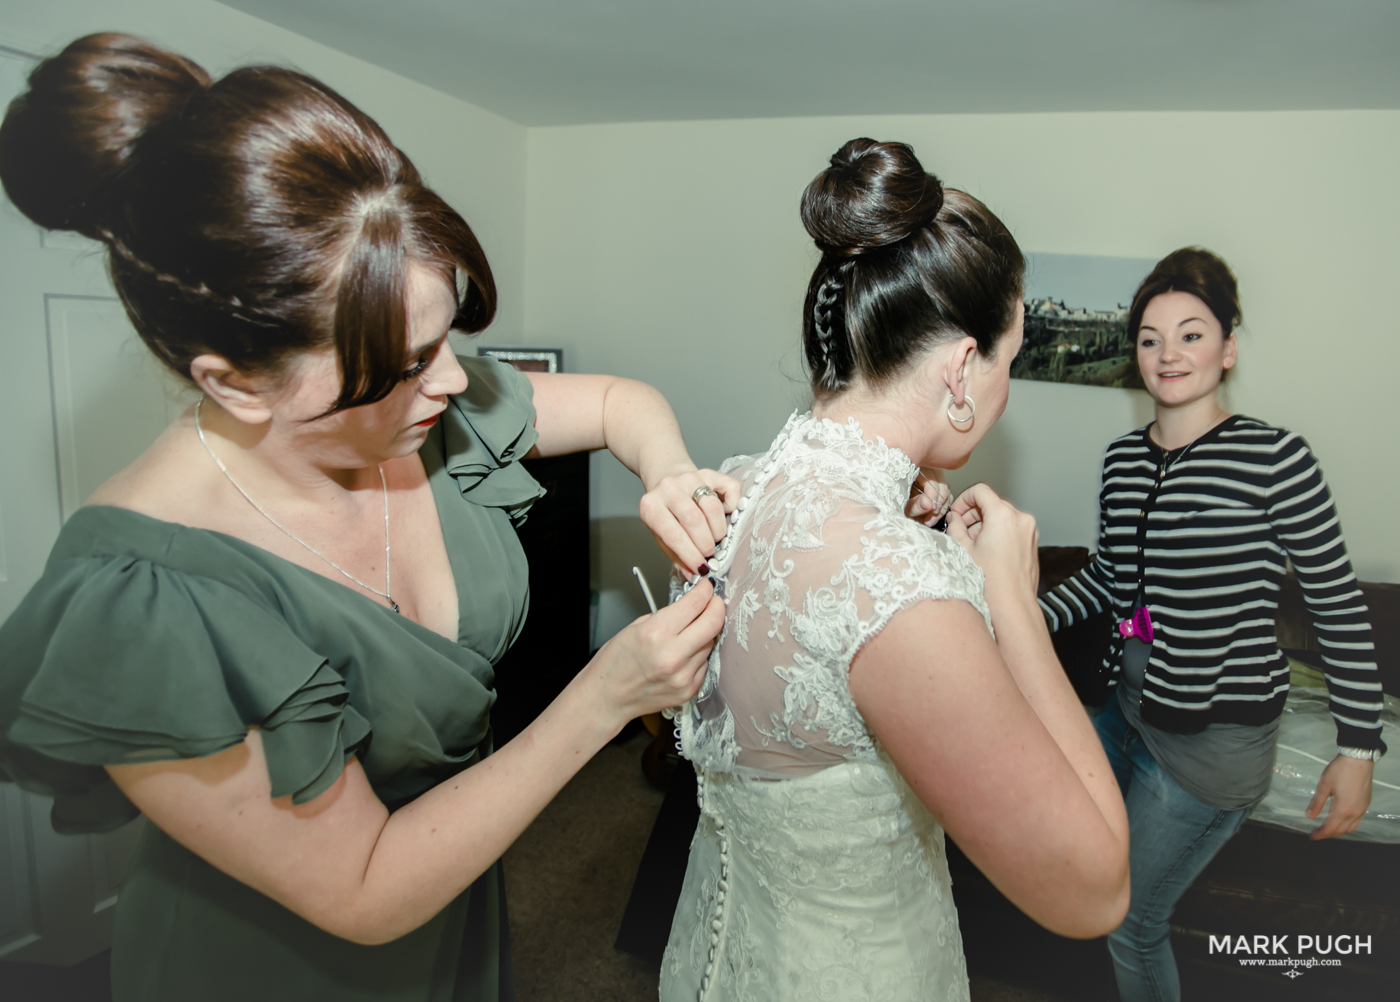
<point>673,252</point>
<point>474,159</point>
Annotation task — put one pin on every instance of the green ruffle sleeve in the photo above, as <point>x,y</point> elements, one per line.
<point>487,430</point>
<point>117,659</point>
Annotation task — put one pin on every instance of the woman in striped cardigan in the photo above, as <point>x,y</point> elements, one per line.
<point>1198,513</point>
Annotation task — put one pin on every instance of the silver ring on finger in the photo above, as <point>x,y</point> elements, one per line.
<point>703,491</point>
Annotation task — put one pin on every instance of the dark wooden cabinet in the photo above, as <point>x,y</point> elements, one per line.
<point>554,643</point>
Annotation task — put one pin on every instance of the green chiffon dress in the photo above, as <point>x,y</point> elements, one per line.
<point>146,640</point>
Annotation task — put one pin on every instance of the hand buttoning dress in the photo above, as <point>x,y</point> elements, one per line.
<point>815,872</point>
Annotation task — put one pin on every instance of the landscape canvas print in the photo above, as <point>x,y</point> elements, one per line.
<point>1076,320</point>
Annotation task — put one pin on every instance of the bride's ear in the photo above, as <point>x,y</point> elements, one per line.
<point>957,365</point>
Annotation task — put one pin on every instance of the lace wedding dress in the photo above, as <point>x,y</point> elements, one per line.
<point>815,873</point>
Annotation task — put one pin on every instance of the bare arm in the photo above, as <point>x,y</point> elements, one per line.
<point>634,422</point>
<point>975,751</point>
<point>991,737</point>
<point>347,865</point>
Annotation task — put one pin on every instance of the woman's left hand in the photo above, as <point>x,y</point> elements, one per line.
<point>929,500</point>
<point>687,527</point>
<point>1348,782</point>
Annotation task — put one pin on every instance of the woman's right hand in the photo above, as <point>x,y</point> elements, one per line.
<point>659,660</point>
<point>1002,540</point>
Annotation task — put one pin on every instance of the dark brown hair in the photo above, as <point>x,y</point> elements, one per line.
<point>906,265</point>
<point>255,217</point>
<point>1194,270</point>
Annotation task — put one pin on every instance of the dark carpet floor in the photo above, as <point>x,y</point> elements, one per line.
<point>567,882</point>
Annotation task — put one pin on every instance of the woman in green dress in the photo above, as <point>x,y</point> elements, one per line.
<point>273,634</point>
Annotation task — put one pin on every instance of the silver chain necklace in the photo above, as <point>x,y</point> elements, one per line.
<point>199,428</point>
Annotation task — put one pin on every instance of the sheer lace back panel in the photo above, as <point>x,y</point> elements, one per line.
<point>819,557</point>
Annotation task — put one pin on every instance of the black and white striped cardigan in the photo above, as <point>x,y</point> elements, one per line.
<point>1231,507</point>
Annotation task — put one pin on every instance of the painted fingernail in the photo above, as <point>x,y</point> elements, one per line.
<point>703,569</point>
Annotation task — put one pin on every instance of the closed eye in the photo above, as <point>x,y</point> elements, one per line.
<point>426,354</point>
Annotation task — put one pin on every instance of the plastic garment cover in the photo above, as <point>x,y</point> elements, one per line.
<point>1307,741</point>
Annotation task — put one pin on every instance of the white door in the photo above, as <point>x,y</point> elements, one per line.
<point>79,399</point>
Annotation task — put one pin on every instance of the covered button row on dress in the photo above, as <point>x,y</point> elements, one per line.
<point>733,519</point>
<point>721,892</point>
<point>760,479</point>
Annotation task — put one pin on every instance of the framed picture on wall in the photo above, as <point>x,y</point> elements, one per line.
<point>1076,320</point>
<point>528,359</point>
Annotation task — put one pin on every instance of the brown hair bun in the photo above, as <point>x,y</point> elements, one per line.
<point>905,266</point>
<point>254,218</point>
<point>873,195</point>
<point>74,130</point>
<point>1197,271</point>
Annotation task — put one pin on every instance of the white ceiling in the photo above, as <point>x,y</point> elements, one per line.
<point>553,62</point>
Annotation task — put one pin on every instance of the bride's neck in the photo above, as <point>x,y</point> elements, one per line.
<point>889,415</point>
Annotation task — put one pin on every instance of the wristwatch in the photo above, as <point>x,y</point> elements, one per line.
<point>1370,754</point>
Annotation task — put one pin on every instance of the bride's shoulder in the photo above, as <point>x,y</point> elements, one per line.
<point>908,561</point>
<point>915,538</point>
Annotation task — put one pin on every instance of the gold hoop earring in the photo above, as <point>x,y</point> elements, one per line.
<point>967,402</point>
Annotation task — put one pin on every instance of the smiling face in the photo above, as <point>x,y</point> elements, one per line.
<point>1182,350</point>
<point>397,425</point>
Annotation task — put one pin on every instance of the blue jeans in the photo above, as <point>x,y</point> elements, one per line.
<point>1172,836</point>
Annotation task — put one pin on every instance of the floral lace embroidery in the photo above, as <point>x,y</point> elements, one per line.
<point>818,559</point>
<point>821,518</point>
<point>852,834</point>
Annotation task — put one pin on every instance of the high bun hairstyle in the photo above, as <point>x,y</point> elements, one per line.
<point>906,265</point>
<point>1197,271</point>
<point>254,217</point>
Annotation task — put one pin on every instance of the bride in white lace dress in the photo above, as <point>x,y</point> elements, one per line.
<point>858,701</point>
